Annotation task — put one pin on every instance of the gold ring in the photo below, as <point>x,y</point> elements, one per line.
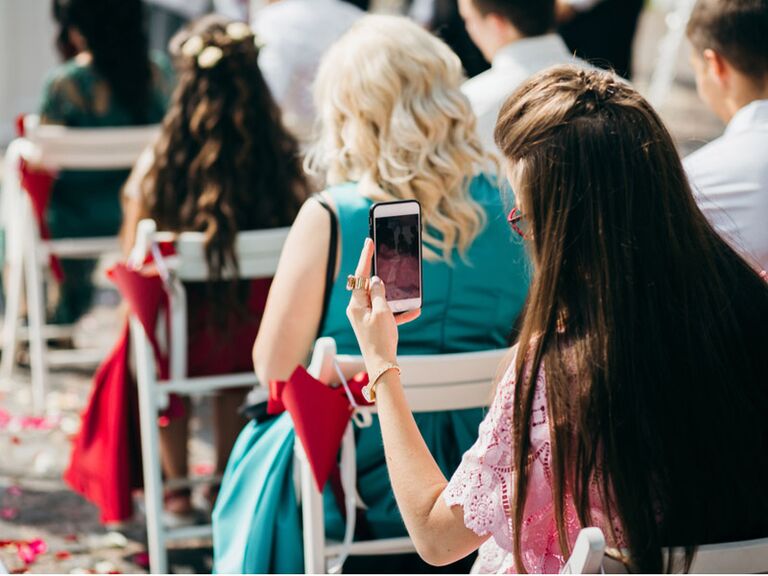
<point>357,283</point>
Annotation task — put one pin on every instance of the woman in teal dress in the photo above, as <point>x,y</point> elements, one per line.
<point>394,125</point>
<point>109,79</point>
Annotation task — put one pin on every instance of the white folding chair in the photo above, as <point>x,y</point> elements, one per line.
<point>433,383</point>
<point>258,253</point>
<point>28,254</point>
<point>746,557</point>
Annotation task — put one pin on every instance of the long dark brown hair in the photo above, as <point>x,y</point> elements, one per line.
<point>651,330</point>
<point>223,162</point>
<point>116,38</point>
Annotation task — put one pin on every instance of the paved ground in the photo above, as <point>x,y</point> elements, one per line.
<point>35,505</point>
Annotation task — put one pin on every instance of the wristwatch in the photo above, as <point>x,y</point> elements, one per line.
<point>369,390</point>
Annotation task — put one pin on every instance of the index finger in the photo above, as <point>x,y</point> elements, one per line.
<point>364,265</point>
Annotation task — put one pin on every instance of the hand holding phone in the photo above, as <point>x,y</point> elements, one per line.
<point>395,228</point>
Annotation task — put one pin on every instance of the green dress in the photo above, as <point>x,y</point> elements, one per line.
<point>87,203</point>
<point>468,306</point>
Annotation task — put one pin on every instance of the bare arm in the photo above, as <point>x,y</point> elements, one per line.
<point>132,199</point>
<point>437,530</point>
<point>131,214</point>
<point>292,315</point>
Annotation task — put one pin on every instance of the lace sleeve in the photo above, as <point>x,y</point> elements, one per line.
<point>62,99</point>
<point>482,485</point>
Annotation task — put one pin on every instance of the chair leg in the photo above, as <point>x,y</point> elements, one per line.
<point>153,482</point>
<point>12,319</point>
<point>313,517</point>
<point>36,313</point>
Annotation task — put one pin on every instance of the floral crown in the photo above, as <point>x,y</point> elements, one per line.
<point>208,56</point>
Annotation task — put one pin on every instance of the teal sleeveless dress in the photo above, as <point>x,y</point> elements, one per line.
<point>469,305</point>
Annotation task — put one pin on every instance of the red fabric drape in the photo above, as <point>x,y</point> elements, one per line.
<point>38,183</point>
<point>320,415</point>
<point>105,465</point>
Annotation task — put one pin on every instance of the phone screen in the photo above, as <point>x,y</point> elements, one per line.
<point>397,255</point>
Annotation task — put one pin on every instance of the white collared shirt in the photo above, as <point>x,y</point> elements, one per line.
<point>730,180</point>
<point>296,34</point>
<point>511,66</point>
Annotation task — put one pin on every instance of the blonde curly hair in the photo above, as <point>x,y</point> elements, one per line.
<point>391,116</point>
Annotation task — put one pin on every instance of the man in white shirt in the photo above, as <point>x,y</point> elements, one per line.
<point>730,174</point>
<point>517,38</point>
<point>296,34</point>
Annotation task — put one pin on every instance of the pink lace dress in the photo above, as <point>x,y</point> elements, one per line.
<point>483,486</point>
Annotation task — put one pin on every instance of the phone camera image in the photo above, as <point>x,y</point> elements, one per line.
<point>397,255</point>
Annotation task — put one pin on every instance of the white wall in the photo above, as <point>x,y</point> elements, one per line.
<point>26,55</point>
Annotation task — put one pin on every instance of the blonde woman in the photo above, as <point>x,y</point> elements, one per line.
<point>393,124</point>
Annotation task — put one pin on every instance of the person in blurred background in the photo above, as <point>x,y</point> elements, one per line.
<point>730,58</point>
<point>223,164</point>
<point>518,38</point>
<point>166,17</point>
<point>295,34</point>
<point>442,17</point>
<point>109,79</point>
<point>394,126</point>
<point>601,31</point>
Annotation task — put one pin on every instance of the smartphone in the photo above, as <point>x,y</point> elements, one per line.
<point>395,228</point>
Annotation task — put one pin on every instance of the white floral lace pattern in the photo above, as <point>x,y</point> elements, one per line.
<point>483,487</point>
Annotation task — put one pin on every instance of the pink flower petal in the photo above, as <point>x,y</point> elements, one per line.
<point>141,559</point>
<point>38,546</point>
<point>203,469</point>
<point>9,513</point>
<point>25,553</point>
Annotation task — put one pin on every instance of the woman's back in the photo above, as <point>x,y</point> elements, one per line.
<point>87,202</point>
<point>222,164</point>
<point>76,95</point>
<point>468,305</point>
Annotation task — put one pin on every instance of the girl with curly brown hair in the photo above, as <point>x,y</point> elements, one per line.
<point>223,163</point>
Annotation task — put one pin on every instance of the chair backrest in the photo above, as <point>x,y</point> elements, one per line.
<point>432,383</point>
<point>60,147</point>
<point>258,253</point>
<point>746,557</point>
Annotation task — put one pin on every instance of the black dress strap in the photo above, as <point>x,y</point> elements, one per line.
<point>330,271</point>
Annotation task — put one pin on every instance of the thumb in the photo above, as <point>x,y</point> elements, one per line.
<point>378,295</point>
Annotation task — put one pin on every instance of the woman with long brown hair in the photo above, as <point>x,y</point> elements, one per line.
<point>223,163</point>
<point>108,78</point>
<point>636,397</point>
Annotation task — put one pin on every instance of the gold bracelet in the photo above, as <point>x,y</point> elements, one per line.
<point>369,390</point>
